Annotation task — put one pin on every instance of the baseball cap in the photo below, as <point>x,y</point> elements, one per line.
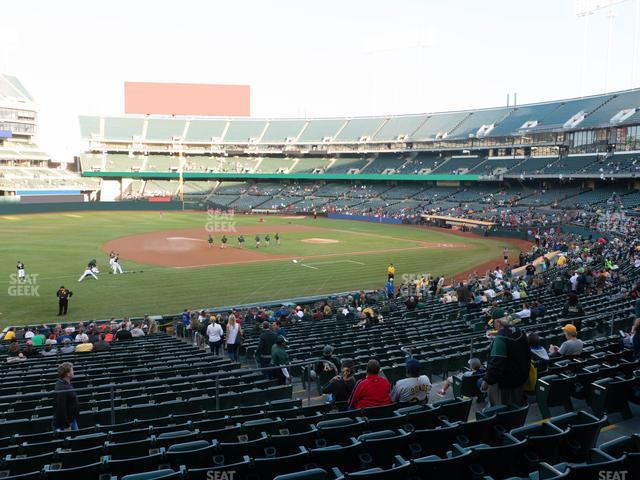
<point>327,350</point>
<point>498,313</point>
<point>570,328</point>
<point>413,366</point>
<point>281,339</point>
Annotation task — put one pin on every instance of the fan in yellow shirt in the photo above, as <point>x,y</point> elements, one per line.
<point>391,271</point>
<point>84,347</point>
<point>11,334</point>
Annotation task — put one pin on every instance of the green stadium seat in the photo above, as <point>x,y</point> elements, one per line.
<point>553,391</point>
<point>543,441</point>
<point>164,474</point>
<point>584,430</point>
<point>311,474</point>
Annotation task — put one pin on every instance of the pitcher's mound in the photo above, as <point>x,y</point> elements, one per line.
<point>320,240</point>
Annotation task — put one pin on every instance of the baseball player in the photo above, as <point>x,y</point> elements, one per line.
<point>210,241</point>
<point>223,241</point>
<point>115,264</point>
<point>20,267</point>
<point>240,241</point>
<point>91,270</point>
<point>277,237</point>
<point>257,241</point>
<point>267,240</point>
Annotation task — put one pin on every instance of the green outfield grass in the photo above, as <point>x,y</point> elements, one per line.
<point>56,247</point>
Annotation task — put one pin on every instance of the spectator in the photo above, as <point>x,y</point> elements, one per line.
<point>152,325</point>
<point>475,368</point>
<point>38,339</point>
<point>50,349</point>
<point>341,386</point>
<point>373,390</point>
<point>29,350</point>
<point>136,331</point>
<point>539,355</point>
<point>280,357</point>
<point>266,341</point>
<point>573,311</point>
<point>525,312</point>
<point>234,337</point>
<point>101,345</point>
<point>123,334</point>
<point>66,408</point>
<point>67,347</point>
<point>414,388</point>
<point>85,346</point>
<point>10,335</point>
<point>328,363</point>
<point>635,342</point>
<point>81,337</point>
<point>411,303</point>
<point>509,362</point>
<point>214,334</point>
<point>571,347</point>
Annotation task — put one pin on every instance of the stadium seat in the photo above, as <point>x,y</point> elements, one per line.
<point>553,391</point>
<point>124,466</point>
<point>455,409</point>
<point>508,417</point>
<point>383,445</point>
<point>344,454</point>
<point>311,474</point>
<point>612,395</point>
<point>280,461</point>
<point>584,430</point>
<point>543,441</point>
<point>164,474</point>
<point>198,453</point>
<point>625,446</point>
<point>455,466</point>
<point>75,473</point>
<point>399,470</point>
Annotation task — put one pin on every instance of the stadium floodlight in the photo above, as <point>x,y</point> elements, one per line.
<point>586,8</point>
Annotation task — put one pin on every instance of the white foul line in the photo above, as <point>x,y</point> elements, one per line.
<point>353,261</point>
<point>309,266</point>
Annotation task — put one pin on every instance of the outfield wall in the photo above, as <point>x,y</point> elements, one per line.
<point>18,208</point>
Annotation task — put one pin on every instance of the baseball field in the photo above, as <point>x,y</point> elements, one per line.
<point>169,265</point>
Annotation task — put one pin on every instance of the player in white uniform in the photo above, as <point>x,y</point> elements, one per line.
<point>91,270</point>
<point>115,264</point>
<point>20,267</point>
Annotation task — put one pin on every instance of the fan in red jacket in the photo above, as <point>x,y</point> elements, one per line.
<point>373,390</point>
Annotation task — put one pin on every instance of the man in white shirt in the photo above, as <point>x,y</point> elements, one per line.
<point>574,281</point>
<point>214,332</point>
<point>81,337</point>
<point>414,388</point>
<point>525,312</point>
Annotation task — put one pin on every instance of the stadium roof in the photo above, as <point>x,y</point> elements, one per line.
<point>11,90</point>
<point>597,111</point>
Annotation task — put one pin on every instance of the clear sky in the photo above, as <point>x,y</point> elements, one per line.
<point>309,58</point>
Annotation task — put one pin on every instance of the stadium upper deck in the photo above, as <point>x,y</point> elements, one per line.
<point>605,111</point>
